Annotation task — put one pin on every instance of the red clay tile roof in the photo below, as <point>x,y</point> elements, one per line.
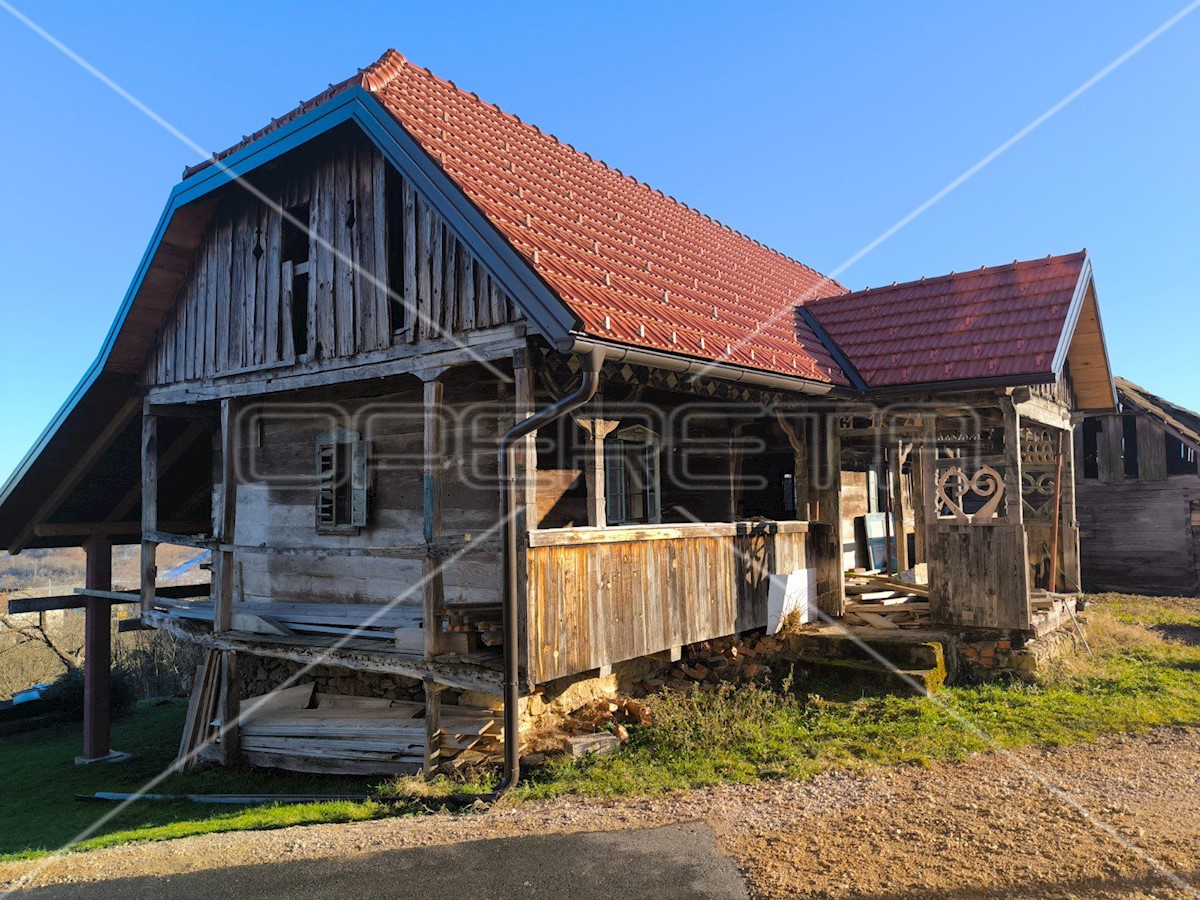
<point>636,266</point>
<point>987,323</point>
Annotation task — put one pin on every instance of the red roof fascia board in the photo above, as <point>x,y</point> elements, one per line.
<point>990,323</point>
<point>636,266</point>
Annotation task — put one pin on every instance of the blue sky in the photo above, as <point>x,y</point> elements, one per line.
<point>812,128</point>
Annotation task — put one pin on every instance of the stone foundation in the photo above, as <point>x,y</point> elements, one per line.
<point>263,674</point>
<point>984,655</point>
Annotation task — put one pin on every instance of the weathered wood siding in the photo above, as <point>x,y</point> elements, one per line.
<point>596,598</point>
<point>276,505</point>
<point>978,576</point>
<point>369,230</point>
<point>1137,537</point>
<point>764,550</point>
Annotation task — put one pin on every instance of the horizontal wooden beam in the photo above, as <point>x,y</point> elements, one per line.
<point>443,547</point>
<point>199,541</point>
<point>487,344</point>
<point>464,675</point>
<point>17,605</point>
<point>104,529</point>
<point>573,537</point>
<point>78,600</point>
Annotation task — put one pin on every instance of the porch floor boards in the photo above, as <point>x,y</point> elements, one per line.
<point>478,671</point>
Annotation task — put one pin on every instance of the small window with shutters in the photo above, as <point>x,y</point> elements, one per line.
<point>342,489</point>
<point>631,480</point>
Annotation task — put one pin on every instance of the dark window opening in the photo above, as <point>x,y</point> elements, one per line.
<point>1129,426</point>
<point>394,277</point>
<point>1181,459</point>
<point>295,250</point>
<point>789,495</point>
<point>341,482</point>
<point>1091,459</point>
<point>631,478</point>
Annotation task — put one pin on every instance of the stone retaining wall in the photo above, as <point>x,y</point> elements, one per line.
<point>987,655</point>
<point>263,674</point>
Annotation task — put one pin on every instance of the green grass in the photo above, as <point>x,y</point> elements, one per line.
<point>39,812</point>
<point>1136,681</point>
<point>1140,678</point>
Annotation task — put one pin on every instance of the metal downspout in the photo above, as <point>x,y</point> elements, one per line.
<point>588,386</point>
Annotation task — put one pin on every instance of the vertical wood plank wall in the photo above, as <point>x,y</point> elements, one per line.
<point>1137,534</point>
<point>275,503</point>
<point>978,576</point>
<point>595,603</point>
<point>232,312</point>
<point>1137,537</point>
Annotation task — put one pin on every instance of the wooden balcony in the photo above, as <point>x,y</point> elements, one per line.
<point>597,596</point>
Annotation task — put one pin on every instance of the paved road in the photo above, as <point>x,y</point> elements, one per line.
<point>677,861</point>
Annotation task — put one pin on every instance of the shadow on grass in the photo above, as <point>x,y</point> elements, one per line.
<point>39,812</point>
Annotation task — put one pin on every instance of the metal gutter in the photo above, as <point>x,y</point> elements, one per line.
<point>588,386</point>
<point>618,353</point>
<point>962,384</point>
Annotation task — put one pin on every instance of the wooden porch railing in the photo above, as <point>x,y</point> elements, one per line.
<point>597,596</point>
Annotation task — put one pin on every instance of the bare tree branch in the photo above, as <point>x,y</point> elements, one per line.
<point>72,659</point>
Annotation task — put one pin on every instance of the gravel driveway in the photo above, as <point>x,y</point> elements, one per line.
<point>985,827</point>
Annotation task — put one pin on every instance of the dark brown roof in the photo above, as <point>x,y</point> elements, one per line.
<point>1175,418</point>
<point>996,322</point>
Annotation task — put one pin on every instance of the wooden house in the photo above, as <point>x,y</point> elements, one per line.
<point>456,405</point>
<point>1138,492</point>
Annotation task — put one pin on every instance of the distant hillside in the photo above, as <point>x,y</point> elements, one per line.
<point>28,643</point>
<point>58,571</point>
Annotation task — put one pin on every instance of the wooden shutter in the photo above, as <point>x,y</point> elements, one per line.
<point>614,483</point>
<point>653,501</point>
<point>343,476</point>
<point>358,484</point>
<point>326,484</point>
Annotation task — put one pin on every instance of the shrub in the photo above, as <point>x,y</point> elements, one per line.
<point>66,694</point>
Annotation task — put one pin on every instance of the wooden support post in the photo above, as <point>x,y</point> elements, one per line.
<point>230,703</point>
<point>920,504</point>
<point>797,435</point>
<point>433,727</point>
<point>1077,448</point>
<point>97,660</point>
<point>898,456</point>
<point>224,528</point>
<point>1022,578</point>
<point>1070,524</point>
<point>1056,525</point>
<point>1014,514</point>
<point>149,505</point>
<point>527,453</point>
<point>433,591</point>
<point>735,470</point>
<point>224,510</point>
<point>827,536</point>
<point>597,430</point>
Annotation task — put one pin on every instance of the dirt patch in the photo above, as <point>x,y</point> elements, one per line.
<point>1126,825</point>
<point>1185,634</point>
